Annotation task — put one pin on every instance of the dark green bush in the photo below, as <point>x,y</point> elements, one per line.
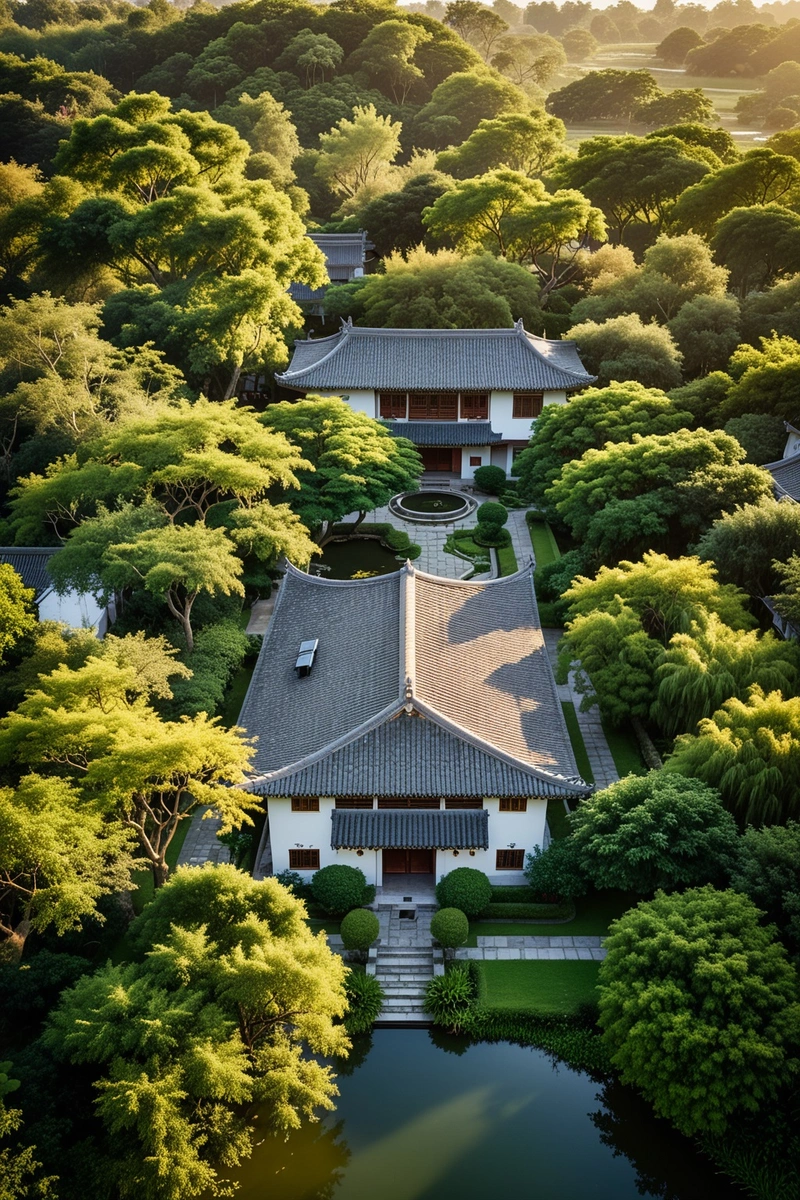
<point>450,927</point>
<point>448,998</point>
<point>492,535</point>
<point>364,1001</point>
<point>556,871</point>
<point>492,513</point>
<point>465,888</point>
<point>529,912</point>
<point>504,893</point>
<point>359,929</point>
<point>490,480</point>
<point>295,883</point>
<point>339,888</point>
<point>219,651</point>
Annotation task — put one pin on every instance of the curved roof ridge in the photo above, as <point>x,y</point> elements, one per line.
<point>339,338</point>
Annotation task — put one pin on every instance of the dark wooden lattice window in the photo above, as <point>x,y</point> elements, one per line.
<point>392,405</point>
<point>509,860</point>
<point>354,802</point>
<point>475,406</point>
<point>408,802</point>
<point>305,803</point>
<point>461,802</point>
<point>513,804</point>
<point>304,860</point>
<point>433,406</point>
<point>527,405</point>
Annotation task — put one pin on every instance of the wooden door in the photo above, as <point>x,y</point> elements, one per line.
<point>439,458</point>
<point>408,862</point>
<point>420,862</point>
<point>394,862</point>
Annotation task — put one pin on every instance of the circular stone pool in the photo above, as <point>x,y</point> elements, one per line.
<point>431,507</point>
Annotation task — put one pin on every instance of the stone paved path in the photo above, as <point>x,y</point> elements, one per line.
<point>603,767</point>
<point>491,949</point>
<point>201,843</point>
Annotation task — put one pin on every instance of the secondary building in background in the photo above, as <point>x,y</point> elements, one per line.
<point>786,471</point>
<point>465,397</point>
<point>78,609</point>
<point>426,733</point>
<point>346,257</point>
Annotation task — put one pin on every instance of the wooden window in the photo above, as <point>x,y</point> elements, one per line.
<point>354,802</point>
<point>433,406</point>
<point>513,804</point>
<point>461,802</point>
<point>408,802</point>
<point>304,860</point>
<point>305,803</point>
<point>475,460</point>
<point>527,405</point>
<point>509,860</point>
<point>475,406</point>
<point>392,405</point>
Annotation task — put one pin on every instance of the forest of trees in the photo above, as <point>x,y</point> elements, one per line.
<point>162,166</point>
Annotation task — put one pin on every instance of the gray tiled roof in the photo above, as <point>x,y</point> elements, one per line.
<point>30,562</point>
<point>410,757</point>
<point>301,293</point>
<point>467,657</point>
<point>435,359</point>
<point>445,433</point>
<point>786,474</point>
<point>409,829</point>
<point>343,249</point>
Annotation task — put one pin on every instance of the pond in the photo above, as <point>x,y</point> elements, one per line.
<point>356,554</point>
<point>423,1116</point>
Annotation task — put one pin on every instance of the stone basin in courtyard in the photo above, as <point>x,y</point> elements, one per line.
<point>431,506</point>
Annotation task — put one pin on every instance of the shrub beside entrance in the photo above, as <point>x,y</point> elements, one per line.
<point>465,888</point>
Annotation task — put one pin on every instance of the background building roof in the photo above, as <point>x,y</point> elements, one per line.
<point>469,657</point>
<point>30,563</point>
<point>786,474</point>
<point>435,359</point>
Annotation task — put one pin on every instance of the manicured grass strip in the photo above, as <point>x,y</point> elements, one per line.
<point>557,818</point>
<point>549,988</point>
<point>328,925</point>
<point>576,737</point>
<point>545,546</point>
<point>625,751</point>
<point>506,560</point>
<point>594,914</point>
<point>237,690</point>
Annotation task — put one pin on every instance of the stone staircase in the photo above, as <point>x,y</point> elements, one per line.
<point>404,963</point>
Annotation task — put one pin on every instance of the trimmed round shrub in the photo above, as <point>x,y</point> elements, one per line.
<point>491,535</point>
<point>364,1001</point>
<point>338,888</point>
<point>492,513</point>
<point>490,480</point>
<point>465,888</point>
<point>359,929</point>
<point>450,927</point>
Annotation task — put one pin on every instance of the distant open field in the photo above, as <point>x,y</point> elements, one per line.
<point>723,93</point>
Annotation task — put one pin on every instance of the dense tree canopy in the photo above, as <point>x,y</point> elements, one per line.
<point>745,544</point>
<point>521,142</point>
<point>768,871</point>
<point>699,1007</point>
<point>246,998</point>
<point>17,616</point>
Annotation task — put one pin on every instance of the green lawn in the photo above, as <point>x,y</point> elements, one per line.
<point>326,924</point>
<point>237,690</point>
<point>625,751</point>
<point>557,818</point>
<point>545,546</point>
<point>538,987</point>
<point>506,560</point>
<point>576,737</point>
<point>593,915</point>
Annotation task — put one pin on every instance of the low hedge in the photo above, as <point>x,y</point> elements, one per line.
<point>514,894</point>
<point>528,912</point>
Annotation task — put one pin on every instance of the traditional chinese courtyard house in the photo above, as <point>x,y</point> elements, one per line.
<point>466,397</point>
<point>418,729</point>
<point>346,257</point>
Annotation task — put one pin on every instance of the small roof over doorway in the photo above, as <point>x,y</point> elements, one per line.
<point>409,829</point>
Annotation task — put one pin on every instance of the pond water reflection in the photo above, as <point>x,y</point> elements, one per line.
<point>423,1117</point>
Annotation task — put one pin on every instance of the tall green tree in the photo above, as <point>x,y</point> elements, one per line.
<point>768,871</point>
<point>760,177</point>
<point>699,1007</point>
<point>749,750</point>
<point>511,215</point>
<point>765,379</point>
<point>592,418</point>
<point>460,102</point>
<point>95,726</point>
<point>758,244</point>
<point>626,348</point>
<point>386,57</point>
<point>246,1000</point>
<point>58,856</point>
<point>657,492</point>
<point>355,463</point>
<point>357,153</point>
<point>744,545</point>
<point>525,143</point>
<point>17,616</point>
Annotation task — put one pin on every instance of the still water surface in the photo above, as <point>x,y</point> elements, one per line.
<point>425,1117</point>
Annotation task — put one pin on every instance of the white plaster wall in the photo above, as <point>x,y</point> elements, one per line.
<point>792,446</point>
<point>311,831</point>
<point>78,609</point>
<point>360,401</point>
<point>483,452</point>
<point>501,408</point>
